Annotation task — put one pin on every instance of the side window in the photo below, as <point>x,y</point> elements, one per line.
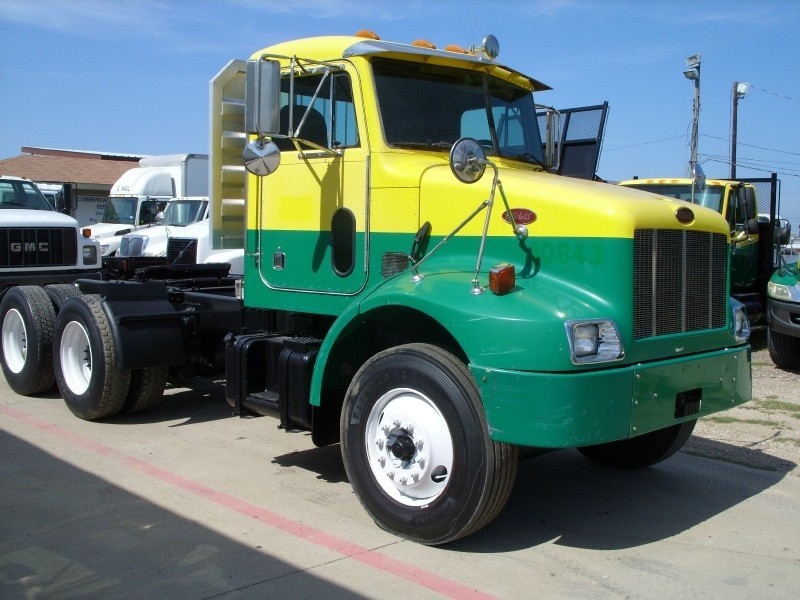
<point>331,119</point>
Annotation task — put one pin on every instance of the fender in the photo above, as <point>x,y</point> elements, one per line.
<point>487,327</point>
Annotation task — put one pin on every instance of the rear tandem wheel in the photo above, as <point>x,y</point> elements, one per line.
<point>86,372</point>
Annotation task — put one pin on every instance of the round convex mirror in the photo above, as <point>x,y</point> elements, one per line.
<point>261,158</point>
<point>467,160</point>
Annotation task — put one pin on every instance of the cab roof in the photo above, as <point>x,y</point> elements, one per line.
<point>331,48</point>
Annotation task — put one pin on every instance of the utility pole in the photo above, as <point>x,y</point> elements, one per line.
<point>739,91</point>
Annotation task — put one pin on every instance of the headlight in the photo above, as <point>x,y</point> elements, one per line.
<point>89,255</point>
<point>594,341</point>
<point>741,324</point>
<point>135,245</point>
<point>783,292</point>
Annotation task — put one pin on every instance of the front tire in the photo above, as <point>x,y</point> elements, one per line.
<point>86,372</point>
<point>416,446</point>
<point>784,350</point>
<point>641,451</point>
<point>27,318</point>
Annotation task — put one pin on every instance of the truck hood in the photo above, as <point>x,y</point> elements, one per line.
<point>14,217</point>
<point>103,230</point>
<point>555,206</point>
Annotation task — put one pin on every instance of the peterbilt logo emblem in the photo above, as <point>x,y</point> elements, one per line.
<point>684,215</point>
<point>30,247</point>
<point>522,216</point>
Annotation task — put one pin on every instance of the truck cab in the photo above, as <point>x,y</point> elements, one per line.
<point>178,213</point>
<point>143,192</point>
<point>37,244</point>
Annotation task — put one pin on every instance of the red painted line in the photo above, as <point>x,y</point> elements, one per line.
<point>347,549</point>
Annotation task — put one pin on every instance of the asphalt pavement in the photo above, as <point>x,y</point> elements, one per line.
<point>189,501</point>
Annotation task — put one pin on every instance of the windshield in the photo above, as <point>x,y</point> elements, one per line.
<point>711,197</point>
<point>22,194</point>
<point>182,212</point>
<point>122,210</point>
<point>428,106</point>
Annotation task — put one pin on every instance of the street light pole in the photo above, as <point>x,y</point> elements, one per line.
<point>739,92</point>
<point>692,73</point>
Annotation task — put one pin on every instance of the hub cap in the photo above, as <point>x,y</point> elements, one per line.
<point>409,447</point>
<point>15,341</point>
<point>76,357</point>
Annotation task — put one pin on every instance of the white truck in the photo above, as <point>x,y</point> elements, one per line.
<point>143,191</point>
<point>179,213</point>
<point>39,245</point>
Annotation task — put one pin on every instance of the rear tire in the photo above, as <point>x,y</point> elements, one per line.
<point>146,389</point>
<point>60,293</point>
<point>416,446</point>
<point>85,360</point>
<point>641,451</point>
<point>27,318</point>
<point>784,350</point>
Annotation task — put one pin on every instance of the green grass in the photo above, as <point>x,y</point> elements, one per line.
<point>771,403</point>
<point>726,419</point>
<point>789,440</point>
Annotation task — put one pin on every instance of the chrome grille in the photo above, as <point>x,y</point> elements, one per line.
<point>182,251</point>
<point>38,247</point>
<point>680,281</point>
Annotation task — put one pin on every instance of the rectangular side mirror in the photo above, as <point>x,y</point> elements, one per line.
<point>262,97</point>
<point>746,200</point>
<point>552,144</point>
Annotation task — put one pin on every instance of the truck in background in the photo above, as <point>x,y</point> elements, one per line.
<point>758,233</point>
<point>142,192</point>
<point>783,313</point>
<point>178,214</point>
<point>431,319</point>
<point>39,245</point>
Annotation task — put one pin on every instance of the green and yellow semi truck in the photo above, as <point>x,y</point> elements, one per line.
<point>419,287</point>
<point>759,279</point>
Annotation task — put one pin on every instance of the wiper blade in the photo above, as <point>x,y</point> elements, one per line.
<point>530,158</point>
<point>423,145</point>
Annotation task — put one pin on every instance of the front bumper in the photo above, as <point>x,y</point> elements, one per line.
<point>783,317</point>
<point>562,410</point>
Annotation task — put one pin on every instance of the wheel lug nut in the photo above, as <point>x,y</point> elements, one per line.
<point>421,462</point>
<point>410,429</point>
<point>390,475</point>
<point>379,443</point>
<point>403,480</point>
<point>382,460</point>
<point>419,443</point>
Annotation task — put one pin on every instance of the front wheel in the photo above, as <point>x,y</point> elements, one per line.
<point>641,451</point>
<point>86,372</point>
<point>784,350</point>
<point>27,317</point>
<point>416,446</point>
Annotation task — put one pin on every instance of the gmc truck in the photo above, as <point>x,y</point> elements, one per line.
<point>37,244</point>
<point>419,287</point>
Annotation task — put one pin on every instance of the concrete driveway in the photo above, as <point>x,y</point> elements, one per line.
<point>190,502</point>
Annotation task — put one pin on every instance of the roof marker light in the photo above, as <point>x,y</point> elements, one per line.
<point>366,33</point>
<point>423,44</point>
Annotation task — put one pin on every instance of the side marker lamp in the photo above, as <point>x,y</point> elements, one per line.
<point>502,278</point>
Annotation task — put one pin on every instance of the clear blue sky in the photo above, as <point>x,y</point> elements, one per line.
<point>131,76</point>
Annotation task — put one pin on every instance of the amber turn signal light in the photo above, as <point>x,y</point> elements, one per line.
<point>502,278</point>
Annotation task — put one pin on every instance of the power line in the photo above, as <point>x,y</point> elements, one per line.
<point>774,93</point>
<point>677,137</point>
<point>714,137</point>
<point>725,161</point>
